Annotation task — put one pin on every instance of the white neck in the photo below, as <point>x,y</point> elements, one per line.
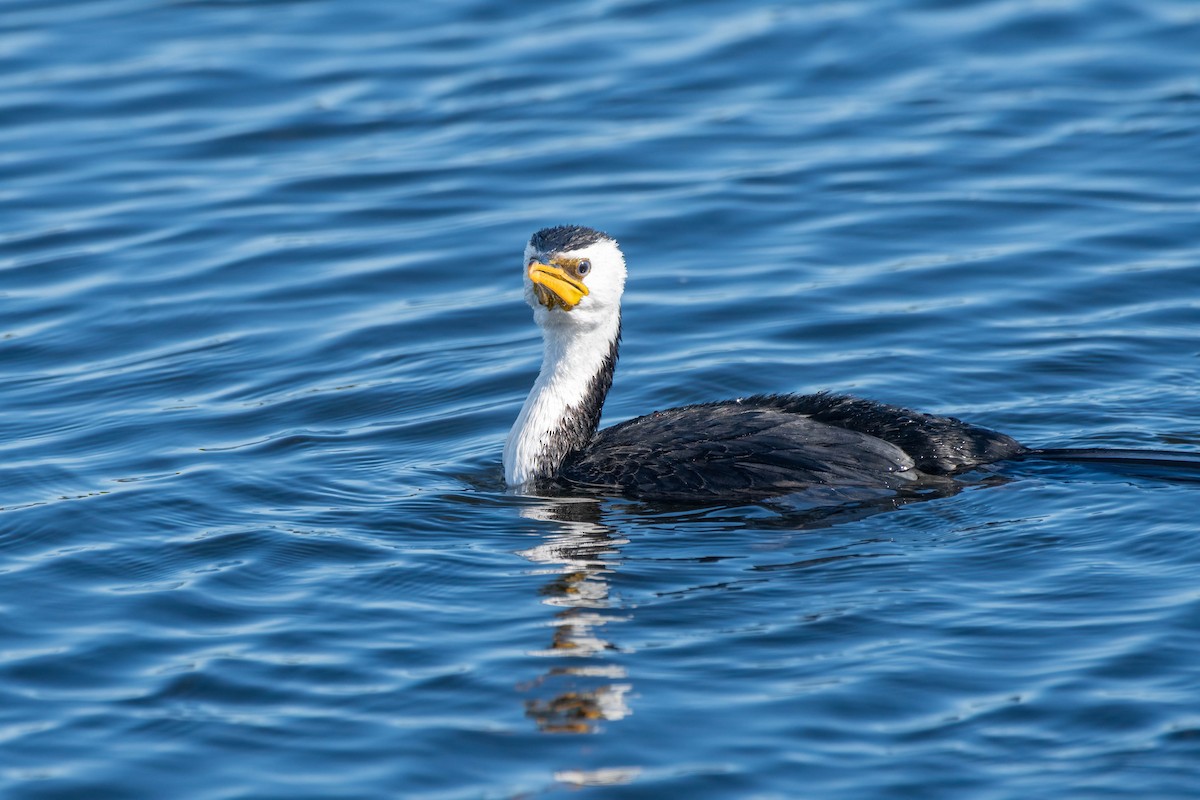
<point>548,427</point>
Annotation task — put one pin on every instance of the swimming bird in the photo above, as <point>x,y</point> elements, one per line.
<point>825,446</point>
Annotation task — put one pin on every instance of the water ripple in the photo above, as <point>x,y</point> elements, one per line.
<point>263,336</point>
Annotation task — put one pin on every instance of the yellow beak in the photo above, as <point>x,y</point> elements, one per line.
<point>554,287</point>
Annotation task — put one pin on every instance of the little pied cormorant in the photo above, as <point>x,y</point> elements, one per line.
<point>823,445</point>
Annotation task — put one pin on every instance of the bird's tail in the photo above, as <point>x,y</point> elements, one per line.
<point>1117,456</point>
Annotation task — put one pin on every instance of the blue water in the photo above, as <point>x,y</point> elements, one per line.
<point>262,336</point>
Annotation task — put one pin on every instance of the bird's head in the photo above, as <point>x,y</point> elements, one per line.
<point>574,276</point>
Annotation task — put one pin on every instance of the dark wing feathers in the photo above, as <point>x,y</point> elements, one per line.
<point>777,444</point>
<point>938,445</point>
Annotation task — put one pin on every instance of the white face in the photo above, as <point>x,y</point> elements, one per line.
<point>587,289</point>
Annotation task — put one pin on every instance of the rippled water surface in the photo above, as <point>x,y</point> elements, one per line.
<point>262,337</point>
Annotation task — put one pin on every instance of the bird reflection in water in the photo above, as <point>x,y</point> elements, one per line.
<point>580,556</point>
<point>581,553</point>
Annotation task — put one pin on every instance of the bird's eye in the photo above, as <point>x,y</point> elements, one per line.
<point>583,267</point>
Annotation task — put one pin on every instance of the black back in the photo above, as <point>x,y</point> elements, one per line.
<point>771,445</point>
